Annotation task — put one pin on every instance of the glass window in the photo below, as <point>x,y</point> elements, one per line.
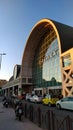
<point>66,60</point>
<point>46,64</point>
<point>29,80</point>
<point>24,80</point>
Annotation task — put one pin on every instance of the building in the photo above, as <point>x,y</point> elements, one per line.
<point>47,61</point>
<point>2,82</point>
<point>12,86</point>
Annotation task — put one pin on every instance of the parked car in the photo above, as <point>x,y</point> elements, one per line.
<point>28,95</point>
<point>36,98</point>
<point>49,100</point>
<point>65,103</point>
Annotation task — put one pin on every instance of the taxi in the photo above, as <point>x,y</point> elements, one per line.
<point>49,100</point>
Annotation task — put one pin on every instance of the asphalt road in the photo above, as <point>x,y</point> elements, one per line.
<point>8,121</point>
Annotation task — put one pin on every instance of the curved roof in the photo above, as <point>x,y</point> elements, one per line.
<point>17,73</point>
<point>66,36</point>
<point>11,79</point>
<point>65,40</point>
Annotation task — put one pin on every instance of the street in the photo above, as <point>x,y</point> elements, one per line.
<point>8,121</point>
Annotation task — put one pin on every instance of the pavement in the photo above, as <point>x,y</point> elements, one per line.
<point>31,126</point>
<point>6,115</point>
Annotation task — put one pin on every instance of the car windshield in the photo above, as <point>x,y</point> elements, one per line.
<point>48,96</point>
<point>70,98</point>
<point>67,99</point>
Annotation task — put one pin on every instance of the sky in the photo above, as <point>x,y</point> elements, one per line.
<point>17,18</point>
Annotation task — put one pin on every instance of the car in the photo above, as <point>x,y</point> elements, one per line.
<point>36,98</point>
<point>65,103</point>
<point>49,100</point>
<point>28,95</point>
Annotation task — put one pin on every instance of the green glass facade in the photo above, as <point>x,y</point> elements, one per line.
<point>46,65</point>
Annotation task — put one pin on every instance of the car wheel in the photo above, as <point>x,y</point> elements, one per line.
<point>49,104</point>
<point>58,106</point>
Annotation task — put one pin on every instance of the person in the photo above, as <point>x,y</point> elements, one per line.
<point>19,105</point>
<point>44,95</point>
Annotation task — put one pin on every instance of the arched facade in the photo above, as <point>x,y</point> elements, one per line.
<point>46,34</point>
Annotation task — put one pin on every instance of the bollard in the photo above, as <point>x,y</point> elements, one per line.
<point>49,123</point>
<point>31,113</point>
<point>69,123</point>
<point>39,116</point>
<point>53,122</point>
<point>25,110</point>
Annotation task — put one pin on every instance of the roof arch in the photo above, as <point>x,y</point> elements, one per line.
<point>64,35</point>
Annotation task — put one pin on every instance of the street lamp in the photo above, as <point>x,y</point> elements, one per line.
<point>1,54</point>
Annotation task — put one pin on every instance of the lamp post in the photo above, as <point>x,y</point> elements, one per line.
<point>1,54</point>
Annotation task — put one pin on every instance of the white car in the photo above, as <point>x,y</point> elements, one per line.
<point>28,95</point>
<point>35,98</point>
<point>65,103</point>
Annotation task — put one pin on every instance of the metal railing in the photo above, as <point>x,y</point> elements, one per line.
<point>47,119</point>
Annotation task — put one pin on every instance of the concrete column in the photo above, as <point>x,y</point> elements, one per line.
<point>6,92</point>
<point>19,90</point>
<point>20,87</point>
<point>13,91</point>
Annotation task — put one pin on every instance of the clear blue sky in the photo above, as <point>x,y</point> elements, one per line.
<point>17,17</point>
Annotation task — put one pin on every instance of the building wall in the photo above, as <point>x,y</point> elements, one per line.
<point>67,72</point>
<point>38,32</point>
<point>61,31</point>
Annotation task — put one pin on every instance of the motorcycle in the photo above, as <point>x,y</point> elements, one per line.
<point>5,104</point>
<point>19,112</point>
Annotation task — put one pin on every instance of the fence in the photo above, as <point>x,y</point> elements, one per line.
<point>47,120</point>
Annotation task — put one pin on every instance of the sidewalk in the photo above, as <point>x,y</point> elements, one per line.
<point>25,124</point>
<point>30,126</point>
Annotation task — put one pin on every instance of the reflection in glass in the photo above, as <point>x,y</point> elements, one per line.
<point>46,65</point>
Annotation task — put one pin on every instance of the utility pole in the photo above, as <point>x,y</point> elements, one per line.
<point>1,54</point>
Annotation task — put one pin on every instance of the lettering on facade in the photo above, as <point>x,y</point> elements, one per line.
<point>48,57</point>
